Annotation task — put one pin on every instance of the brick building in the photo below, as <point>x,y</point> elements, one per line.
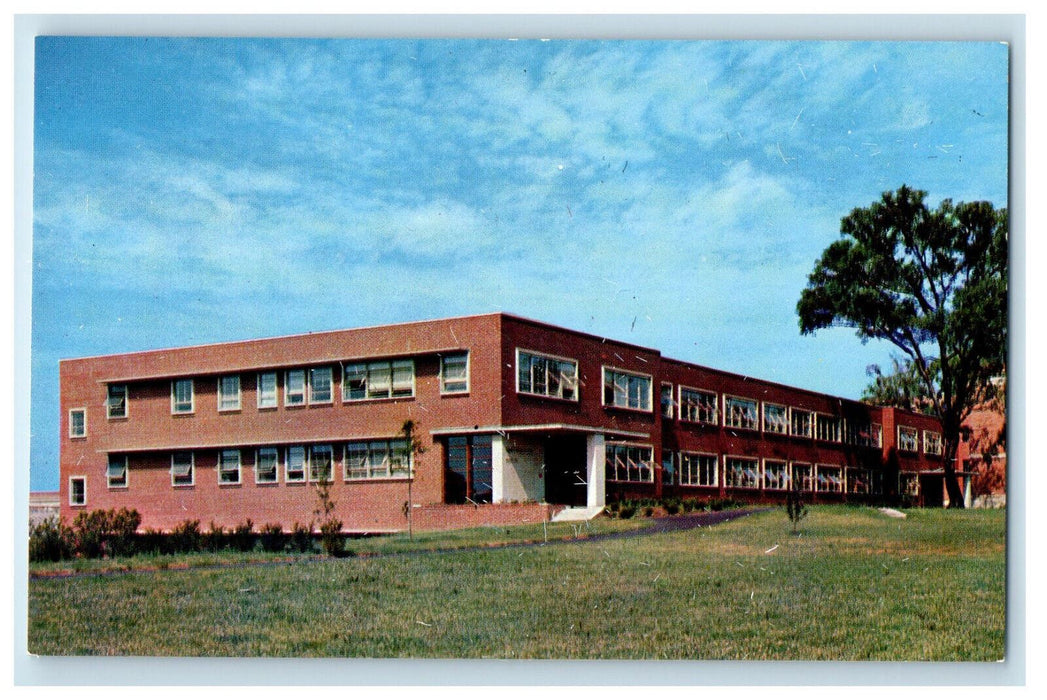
<point>517,418</point>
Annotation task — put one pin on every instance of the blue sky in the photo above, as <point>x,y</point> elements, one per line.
<point>675,194</point>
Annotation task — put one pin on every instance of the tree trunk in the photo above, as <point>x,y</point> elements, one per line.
<point>952,488</point>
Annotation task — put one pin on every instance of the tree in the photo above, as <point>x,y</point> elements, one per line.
<point>902,387</point>
<point>413,447</point>
<point>931,282</point>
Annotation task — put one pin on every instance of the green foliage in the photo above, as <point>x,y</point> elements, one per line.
<point>106,532</point>
<point>331,537</point>
<point>931,282</point>
<point>272,537</point>
<point>795,508</point>
<point>186,537</point>
<point>302,537</point>
<point>51,540</point>
<point>214,540</point>
<point>901,387</point>
<point>243,537</point>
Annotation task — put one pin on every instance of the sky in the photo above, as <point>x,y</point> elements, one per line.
<point>673,194</point>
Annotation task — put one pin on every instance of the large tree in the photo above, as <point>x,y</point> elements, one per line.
<point>933,282</point>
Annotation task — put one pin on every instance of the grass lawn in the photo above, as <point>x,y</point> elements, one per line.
<point>855,585</point>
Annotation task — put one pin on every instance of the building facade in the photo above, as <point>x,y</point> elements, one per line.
<point>515,419</point>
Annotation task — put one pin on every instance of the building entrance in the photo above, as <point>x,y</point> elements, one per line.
<point>566,481</point>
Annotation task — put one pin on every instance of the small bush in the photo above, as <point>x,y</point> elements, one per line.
<point>273,538</point>
<point>215,540</point>
<point>186,537</point>
<point>627,511</point>
<point>672,506</point>
<point>155,542</point>
<point>243,537</point>
<point>51,540</point>
<point>331,537</point>
<point>302,538</point>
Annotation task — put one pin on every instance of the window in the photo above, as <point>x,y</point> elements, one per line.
<point>377,459</point>
<point>667,400</point>
<point>801,423</point>
<point>740,413</point>
<point>229,393</point>
<point>294,387</point>
<point>378,380</point>
<point>742,472</point>
<point>543,375</point>
<point>320,385</point>
<point>829,479</point>
<point>116,472</point>
<point>626,390</point>
<point>116,401</point>
<point>776,475</point>
<point>294,466</point>
<point>864,434</point>
<point>182,396</point>
<point>628,462</point>
<point>803,477</point>
<point>908,439</point>
<point>909,484</point>
<point>77,491</point>
<point>229,466</point>
<point>182,469</point>
<point>454,373</point>
<point>876,481</point>
<point>827,428</point>
<point>699,470</point>
<point>932,442</point>
<point>775,419</point>
<point>698,406</point>
<point>668,467</point>
<point>266,460</point>
<point>78,423</point>
<point>467,471</point>
<point>267,390</point>
<point>858,480</point>
<point>321,463</point>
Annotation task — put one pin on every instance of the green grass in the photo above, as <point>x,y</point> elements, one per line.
<point>854,585</point>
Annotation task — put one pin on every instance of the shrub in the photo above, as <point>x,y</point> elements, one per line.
<point>795,508</point>
<point>273,538</point>
<point>648,511</point>
<point>243,536</point>
<point>51,540</point>
<point>331,537</point>
<point>302,537</point>
<point>106,532</point>
<point>215,540</point>
<point>123,525</point>
<point>186,537</point>
<point>627,511</point>
<point>155,542</point>
<point>672,506</point>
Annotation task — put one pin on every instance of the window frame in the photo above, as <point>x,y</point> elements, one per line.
<point>310,454</point>
<point>445,381</point>
<point>389,468</point>
<point>109,402</point>
<point>927,445</point>
<point>807,483</point>
<point>276,465</point>
<point>696,468</point>
<point>671,404</point>
<point>837,422</point>
<point>310,386</point>
<point>684,414</point>
<point>788,475</point>
<point>758,476</point>
<point>288,394</point>
<point>287,464</point>
<point>574,382</point>
<point>175,410</point>
<point>276,391</point>
<point>222,468</point>
<point>73,435</point>
<point>786,423</point>
<point>83,491</point>
<point>109,477</point>
<point>222,396</point>
<point>630,374</point>
<point>915,449</point>
<point>798,413</point>
<point>610,445</point>
<point>192,470</point>
<point>371,367</point>
<point>842,476</point>
<point>755,426</point>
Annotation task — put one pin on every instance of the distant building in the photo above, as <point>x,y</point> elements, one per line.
<point>43,505</point>
<point>518,419</point>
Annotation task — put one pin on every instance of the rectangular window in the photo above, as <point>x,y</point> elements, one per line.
<point>294,387</point>
<point>776,475</point>
<point>740,413</point>
<point>858,480</point>
<point>378,380</point>
<point>116,472</point>
<point>182,396</point>
<point>908,439</point>
<point>182,469</point>
<point>698,406</point>
<point>78,423</point>
<point>667,401</point>
<point>742,472</point>
<point>377,459</point>
<point>116,401</point>
<point>229,466</point>
<point>628,462</point>
<point>803,476</point>
<point>909,484</point>
<point>829,479</point>
<point>321,463</point>
<point>468,472</point>
<point>801,423</point>
<point>699,470</point>
<point>454,373</point>
<point>266,461</point>
<point>827,428</point>
<point>775,419</point>
<point>623,389</point>
<point>267,390</point>
<point>668,468</point>
<point>77,491</point>
<point>320,385</point>
<point>932,442</point>
<point>229,393</point>
<point>294,466</point>
<point>864,434</point>
<point>544,375</point>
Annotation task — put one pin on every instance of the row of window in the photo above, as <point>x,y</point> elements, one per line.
<point>361,381</point>
<point>373,459</point>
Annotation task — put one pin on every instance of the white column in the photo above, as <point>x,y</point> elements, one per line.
<point>595,460</point>
<point>497,469</point>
